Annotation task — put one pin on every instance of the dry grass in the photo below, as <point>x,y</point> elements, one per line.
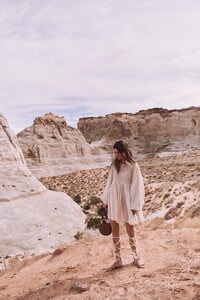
<point>187,222</point>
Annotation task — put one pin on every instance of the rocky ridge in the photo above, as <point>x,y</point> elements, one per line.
<point>147,132</point>
<point>51,147</point>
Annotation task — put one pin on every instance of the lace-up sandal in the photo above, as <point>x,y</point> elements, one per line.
<point>118,261</point>
<point>138,263</point>
<point>136,260</point>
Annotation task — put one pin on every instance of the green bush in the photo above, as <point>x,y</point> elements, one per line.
<point>93,222</point>
<point>86,206</point>
<point>95,200</point>
<point>77,199</point>
<point>78,235</point>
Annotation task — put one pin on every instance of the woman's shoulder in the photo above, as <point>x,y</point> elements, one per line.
<point>133,162</point>
<point>130,164</point>
<point>112,165</point>
<point>133,165</point>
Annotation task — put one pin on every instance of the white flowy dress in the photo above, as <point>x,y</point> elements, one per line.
<point>123,193</point>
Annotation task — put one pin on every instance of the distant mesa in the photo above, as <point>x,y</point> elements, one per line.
<point>148,132</point>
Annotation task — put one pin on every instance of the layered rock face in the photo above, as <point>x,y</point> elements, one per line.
<point>33,219</point>
<point>51,147</point>
<point>16,179</point>
<point>148,131</point>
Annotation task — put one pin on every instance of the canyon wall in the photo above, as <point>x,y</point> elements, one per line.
<point>148,132</point>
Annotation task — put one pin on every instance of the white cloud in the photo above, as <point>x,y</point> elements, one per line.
<point>89,57</point>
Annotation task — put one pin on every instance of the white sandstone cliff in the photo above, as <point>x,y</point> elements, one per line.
<point>32,218</point>
<point>51,147</point>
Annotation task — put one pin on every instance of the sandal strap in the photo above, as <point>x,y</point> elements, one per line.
<point>133,240</point>
<point>116,244</point>
<point>133,244</point>
<point>138,263</point>
<point>116,240</point>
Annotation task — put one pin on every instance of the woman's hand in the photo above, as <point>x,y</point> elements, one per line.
<point>105,206</point>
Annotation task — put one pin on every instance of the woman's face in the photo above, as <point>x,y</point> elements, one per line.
<point>118,155</point>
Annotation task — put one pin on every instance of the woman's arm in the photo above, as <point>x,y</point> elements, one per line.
<point>104,196</point>
<point>137,189</point>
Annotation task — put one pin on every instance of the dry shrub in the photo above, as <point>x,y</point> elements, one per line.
<point>156,223</point>
<point>93,222</point>
<point>196,184</point>
<point>187,222</point>
<point>194,210</point>
<point>174,211</point>
<point>78,235</point>
<point>77,199</point>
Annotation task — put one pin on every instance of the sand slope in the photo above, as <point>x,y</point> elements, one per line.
<point>78,270</point>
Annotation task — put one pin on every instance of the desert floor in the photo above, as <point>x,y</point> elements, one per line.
<point>78,270</point>
<point>168,245</point>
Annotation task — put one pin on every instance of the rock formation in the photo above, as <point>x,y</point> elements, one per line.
<point>33,219</point>
<point>148,131</point>
<point>16,178</point>
<point>51,147</point>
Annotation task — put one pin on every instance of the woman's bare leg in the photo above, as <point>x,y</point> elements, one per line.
<point>116,242</point>
<point>133,243</point>
<point>132,238</point>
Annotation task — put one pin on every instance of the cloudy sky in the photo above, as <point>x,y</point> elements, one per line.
<point>92,57</point>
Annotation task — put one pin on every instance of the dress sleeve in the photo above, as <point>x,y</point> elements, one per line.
<point>104,196</point>
<point>137,189</point>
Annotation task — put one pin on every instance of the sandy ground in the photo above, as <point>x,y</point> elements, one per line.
<point>169,246</point>
<point>79,270</point>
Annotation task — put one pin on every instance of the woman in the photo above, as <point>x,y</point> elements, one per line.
<point>123,197</point>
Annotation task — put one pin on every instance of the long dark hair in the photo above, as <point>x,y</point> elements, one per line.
<point>123,149</point>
